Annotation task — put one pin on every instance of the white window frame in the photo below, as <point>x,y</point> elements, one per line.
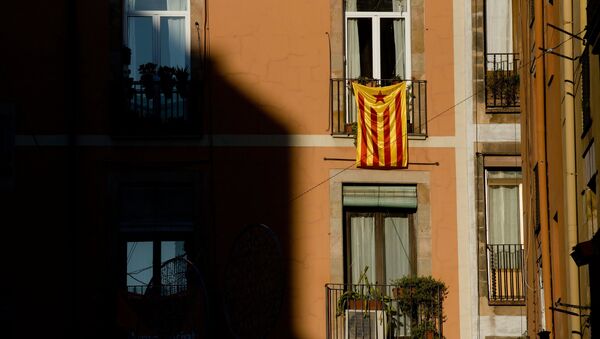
<point>487,203</point>
<point>156,15</point>
<point>375,29</point>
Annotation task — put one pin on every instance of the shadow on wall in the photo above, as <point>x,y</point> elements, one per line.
<point>251,188</point>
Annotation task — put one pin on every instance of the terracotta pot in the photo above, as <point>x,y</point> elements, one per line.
<point>361,304</point>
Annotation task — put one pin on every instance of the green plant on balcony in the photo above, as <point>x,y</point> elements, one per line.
<point>166,80</point>
<point>503,86</point>
<point>421,298</point>
<point>510,90</point>
<point>182,75</point>
<point>148,77</point>
<point>367,296</point>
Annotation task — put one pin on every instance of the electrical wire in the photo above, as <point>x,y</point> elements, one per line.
<point>477,91</point>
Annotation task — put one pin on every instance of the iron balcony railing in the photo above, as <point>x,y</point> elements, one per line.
<point>506,283</point>
<point>502,82</point>
<point>353,311</point>
<point>165,290</point>
<point>343,110</point>
<point>157,108</point>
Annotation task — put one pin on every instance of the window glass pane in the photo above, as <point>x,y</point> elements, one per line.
<point>157,5</point>
<point>362,247</point>
<point>376,5</point>
<point>139,266</point>
<point>173,271</point>
<point>360,48</point>
<point>397,248</point>
<point>172,41</point>
<point>170,250</point>
<point>392,48</point>
<point>139,38</point>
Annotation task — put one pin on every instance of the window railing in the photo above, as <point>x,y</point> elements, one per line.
<point>502,82</point>
<point>156,108</point>
<point>505,274</point>
<point>379,315</point>
<point>343,110</point>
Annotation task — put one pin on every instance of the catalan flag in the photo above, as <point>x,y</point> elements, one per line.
<point>381,130</point>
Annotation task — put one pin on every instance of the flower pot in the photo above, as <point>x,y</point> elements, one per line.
<point>362,304</point>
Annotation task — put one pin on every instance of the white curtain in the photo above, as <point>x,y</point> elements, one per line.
<point>353,52</point>
<point>351,5</point>
<point>362,251</point>
<point>400,48</point>
<point>504,214</point>
<point>397,248</point>
<point>499,26</point>
<point>399,5</point>
<point>172,41</point>
<point>157,5</point>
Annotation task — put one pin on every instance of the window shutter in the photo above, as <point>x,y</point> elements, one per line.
<point>380,196</point>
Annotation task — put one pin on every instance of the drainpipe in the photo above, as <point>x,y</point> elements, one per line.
<point>540,150</point>
<point>569,159</point>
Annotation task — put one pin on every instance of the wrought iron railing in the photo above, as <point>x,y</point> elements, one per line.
<point>157,102</point>
<point>506,283</point>
<point>165,290</point>
<point>343,110</point>
<point>157,108</point>
<point>353,311</point>
<point>502,82</point>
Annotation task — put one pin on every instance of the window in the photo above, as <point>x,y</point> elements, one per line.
<point>503,206</point>
<point>157,31</point>
<point>158,244</point>
<point>502,79</point>
<point>156,225</point>
<point>169,263</point>
<point>380,240</point>
<point>377,39</point>
<point>379,232</point>
<point>504,236</point>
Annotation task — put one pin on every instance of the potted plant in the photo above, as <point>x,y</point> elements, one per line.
<point>421,299</point>
<point>366,296</point>
<point>166,76</point>
<point>182,84</point>
<point>148,77</point>
<point>367,81</point>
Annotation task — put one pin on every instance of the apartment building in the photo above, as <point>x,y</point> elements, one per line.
<point>560,91</point>
<point>187,168</point>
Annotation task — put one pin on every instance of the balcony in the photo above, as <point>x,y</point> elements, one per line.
<point>383,314</point>
<point>502,83</point>
<point>343,110</point>
<point>505,274</point>
<point>157,109</point>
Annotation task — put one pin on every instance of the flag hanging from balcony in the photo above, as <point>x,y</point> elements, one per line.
<point>381,141</point>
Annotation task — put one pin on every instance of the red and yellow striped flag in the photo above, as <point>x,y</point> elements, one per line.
<point>381,130</point>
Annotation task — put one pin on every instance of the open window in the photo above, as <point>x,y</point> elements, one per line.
<point>502,63</point>
<point>157,33</point>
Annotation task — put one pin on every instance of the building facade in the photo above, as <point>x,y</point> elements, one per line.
<point>560,90</point>
<point>189,169</point>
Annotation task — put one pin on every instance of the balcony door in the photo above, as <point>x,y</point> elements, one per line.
<point>157,31</point>
<point>377,43</point>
